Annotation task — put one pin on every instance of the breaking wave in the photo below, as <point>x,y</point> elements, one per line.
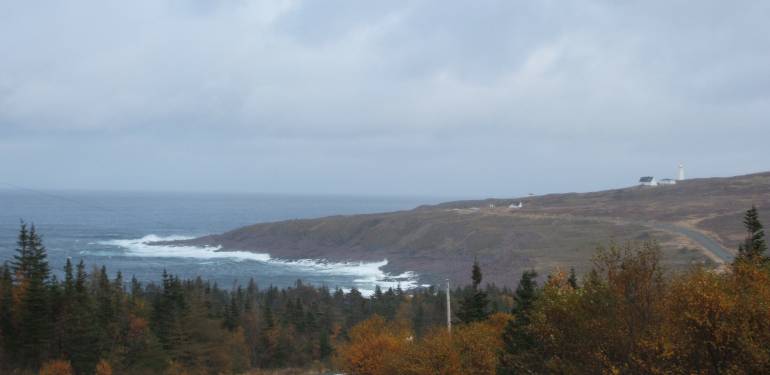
<point>364,274</point>
<point>142,247</point>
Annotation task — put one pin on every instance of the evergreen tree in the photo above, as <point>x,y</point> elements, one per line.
<point>267,316</point>
<point>21,260</point>
<point>7,329</point>
<point>39,256</point>
<point>105,309</point>
<point>55,309</point>
<point>64,316</point>
<point>325,348</point>
<point>82,339</point>
<point>34,316</point>
<point>754,246</point>
<point>231,315</point>
<point>474,306</point>
<point>517,342</point>
<point>69,280</point>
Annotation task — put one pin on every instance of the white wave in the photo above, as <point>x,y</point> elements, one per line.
<point>366,274</point>
<point>142,247</point>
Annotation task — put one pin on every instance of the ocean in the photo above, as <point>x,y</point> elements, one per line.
<point>113,228</point>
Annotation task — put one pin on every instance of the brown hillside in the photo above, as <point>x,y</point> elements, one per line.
<point>557,230</point>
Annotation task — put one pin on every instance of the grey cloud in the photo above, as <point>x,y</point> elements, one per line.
<point>409,97</point>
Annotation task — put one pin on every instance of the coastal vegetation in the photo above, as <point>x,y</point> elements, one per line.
<point>628,314</point>
<point>91,322</point>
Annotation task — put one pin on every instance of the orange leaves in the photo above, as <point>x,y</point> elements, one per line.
<point>56,367</point>
<point>720,320</point>
<point>379,347</point>
<point>479,343</point>
<point>374,345</point>
<point>103,368</point>
<point>434,354</point>
<point>627,318</point>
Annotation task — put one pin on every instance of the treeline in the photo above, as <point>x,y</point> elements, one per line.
<point>624,317</point>
<point>91,323</point>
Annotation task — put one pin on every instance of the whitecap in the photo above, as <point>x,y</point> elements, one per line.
<point>144,247</point>
<point>365,275</point>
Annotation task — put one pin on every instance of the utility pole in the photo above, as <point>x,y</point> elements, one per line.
<point>448,309</point>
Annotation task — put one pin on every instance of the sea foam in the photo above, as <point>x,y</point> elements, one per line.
<point>143,247</point>
<point>365,274</point>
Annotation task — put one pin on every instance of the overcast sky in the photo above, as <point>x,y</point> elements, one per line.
<point>443,98</point>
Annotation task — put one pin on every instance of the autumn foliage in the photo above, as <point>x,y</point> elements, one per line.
<point>376,347</point>
<point>628,315</point>
<point>56,367</point>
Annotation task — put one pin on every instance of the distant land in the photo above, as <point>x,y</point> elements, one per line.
<point>695,221</point>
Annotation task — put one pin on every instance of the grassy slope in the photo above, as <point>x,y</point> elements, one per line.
<point>559,230</point>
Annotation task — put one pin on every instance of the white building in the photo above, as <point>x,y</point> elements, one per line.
<point>667,181</point>
<point>516,205</point>
<point>648,181</point>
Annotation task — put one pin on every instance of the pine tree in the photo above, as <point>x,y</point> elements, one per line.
<point>754,246</point>
<point>516,340</point>
<point>474,306</point>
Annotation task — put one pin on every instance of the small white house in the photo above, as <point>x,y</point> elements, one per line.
<point>516,205</point>
<point>667,181</point>
<point>648,181</point>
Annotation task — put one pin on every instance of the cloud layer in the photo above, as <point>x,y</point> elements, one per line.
<point>426,97</point>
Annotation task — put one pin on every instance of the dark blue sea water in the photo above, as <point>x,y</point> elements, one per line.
<point>111,229</point>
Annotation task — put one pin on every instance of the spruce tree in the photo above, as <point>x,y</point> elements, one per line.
<point>325,348</point>
<point>474,306</point>
<point>39,255</point>
<point>7,329</point>
<point>34,314</point>
<point>82,344</point>
<point>105,309</point>
<point>69,280</point>
<point>231,315</point>
<point>517,342</point>
<point>64,318</point>
<point>754,246</point>
<point>21,263</point>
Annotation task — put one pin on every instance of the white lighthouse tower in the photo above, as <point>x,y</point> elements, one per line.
<point>680,176</point>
